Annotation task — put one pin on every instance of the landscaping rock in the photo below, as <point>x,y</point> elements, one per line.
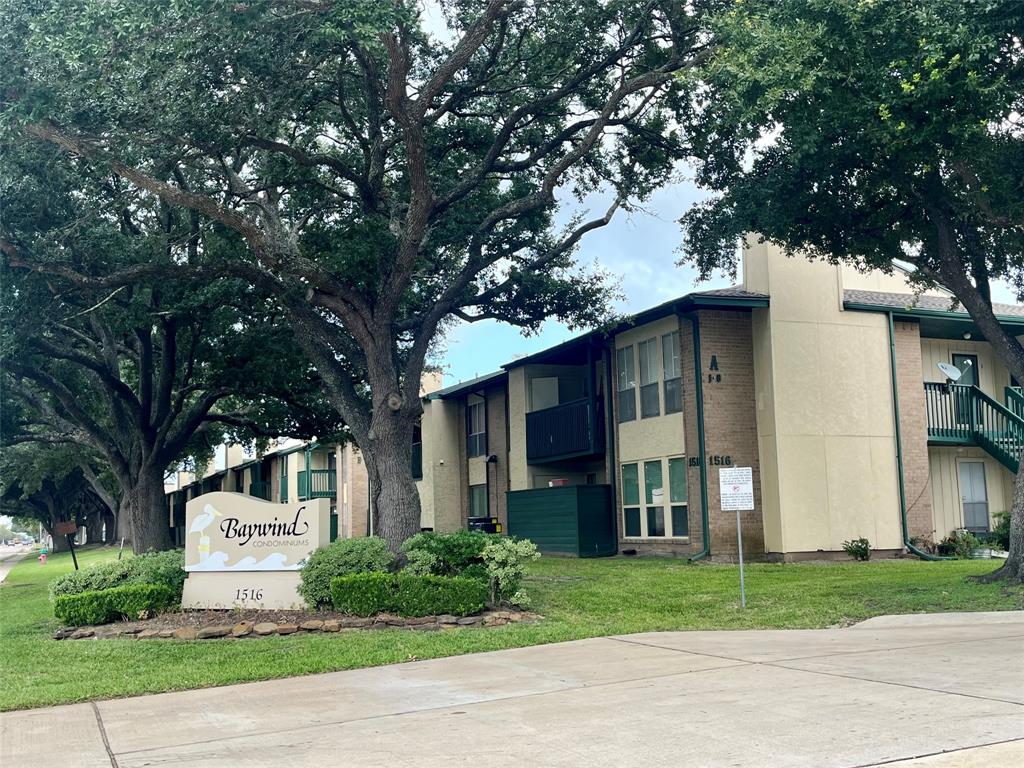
<point>313,625</point>
<point>466,621</point>
<point>354,622</point>
<point>64,633</point>
<point>241,629</point>
<point>265,628</point>
<point>81,634</point>
<point>148,634</point>
<point>185,633</point>
<point>131,630</point>
<point>287,629</point>
<point>217,630</point>
<point>166,633</point>
<point>447,618</point>
<point>332,625</point>
<point>416,621</point>
<point>494,621</point>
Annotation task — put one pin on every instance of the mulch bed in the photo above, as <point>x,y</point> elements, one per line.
<point>249,623</point>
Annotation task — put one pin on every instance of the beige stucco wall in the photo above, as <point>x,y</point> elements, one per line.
<point>440,494</point>
<point>947,506</point>
<point>825,419</point>
<point>657,436</point>
<point>518,470</point>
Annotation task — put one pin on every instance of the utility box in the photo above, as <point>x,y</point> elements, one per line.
<point>572,520</point>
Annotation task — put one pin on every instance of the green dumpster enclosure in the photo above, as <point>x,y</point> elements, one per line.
<point>567,520</point>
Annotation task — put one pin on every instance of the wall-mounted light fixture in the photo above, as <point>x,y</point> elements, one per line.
<point>967,335</point>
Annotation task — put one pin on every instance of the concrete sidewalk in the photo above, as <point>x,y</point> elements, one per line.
<point>929,692</point>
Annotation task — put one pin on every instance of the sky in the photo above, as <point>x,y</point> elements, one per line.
<point>639,249</point>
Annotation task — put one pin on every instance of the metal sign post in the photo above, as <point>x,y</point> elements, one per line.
<point>736,488</point>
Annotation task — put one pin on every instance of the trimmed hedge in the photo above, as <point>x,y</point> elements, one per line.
<point>343,557</point>
<point>365,594</point>
<point>449,554</point>
<point>131,601</point>
<point>163,568</point>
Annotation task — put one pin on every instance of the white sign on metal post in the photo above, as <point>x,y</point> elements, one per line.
<point>736,488</point>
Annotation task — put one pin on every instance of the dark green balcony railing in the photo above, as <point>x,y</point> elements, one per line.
<point>1015,401</point>
<point>961,414</point>
<point>573,429</point>
<point>260,490</point>
<point>317,484</point>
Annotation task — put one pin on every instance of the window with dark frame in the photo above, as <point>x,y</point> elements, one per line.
<point>654,497</point>
<point>417,452</point>
<point>626,385</point>
<point>476,430</point>
<point>647,351</point>
<point>677,496</point>
<point>631,500</point>
<point>478,501</point>
<point>673,372</point>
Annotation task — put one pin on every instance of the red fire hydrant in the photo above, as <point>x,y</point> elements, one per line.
<point>42,558</point>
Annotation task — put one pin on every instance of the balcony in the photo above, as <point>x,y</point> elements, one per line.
<point>567,431</point>
<point>260,490</point>
<point>317,484</point>
<point>961,414</point>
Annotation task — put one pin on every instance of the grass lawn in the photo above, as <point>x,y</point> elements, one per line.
<point>579,598</point>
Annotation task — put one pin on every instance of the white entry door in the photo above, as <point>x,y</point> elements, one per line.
<point>974,495</point>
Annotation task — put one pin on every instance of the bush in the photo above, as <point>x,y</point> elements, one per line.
<point>858,549</point>
<point>446,554</point>
<point>163,568</point>
<point>506,559</point>
<point>407,594</point>
<point>341,558</point>
<point>959,544</point>
<point>131,601</point>
<point>1001,531</point>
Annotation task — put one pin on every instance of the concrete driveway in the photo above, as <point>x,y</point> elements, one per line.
<point>928,691</point>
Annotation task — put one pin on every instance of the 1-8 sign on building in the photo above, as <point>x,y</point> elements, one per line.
<point>736,489</point>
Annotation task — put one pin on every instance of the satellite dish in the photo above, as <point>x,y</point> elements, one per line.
<point>951,372</point>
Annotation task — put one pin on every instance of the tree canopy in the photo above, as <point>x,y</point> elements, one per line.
<point>869,132</point>
<point>388,176</point>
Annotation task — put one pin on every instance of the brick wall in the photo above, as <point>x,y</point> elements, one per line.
<point>730,426</point>
<point>913,429</point>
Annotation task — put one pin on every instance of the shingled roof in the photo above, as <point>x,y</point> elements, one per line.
<point>909,302</point>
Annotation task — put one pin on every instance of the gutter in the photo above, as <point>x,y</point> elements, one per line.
<point>899,448</point>
<point>698,375</point>
<point>611,434</point>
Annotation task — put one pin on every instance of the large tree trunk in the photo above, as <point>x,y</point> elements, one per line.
<point>59,543</point>
<point>394,500</point>
<point>146,508</point>
<point>1013,569</point>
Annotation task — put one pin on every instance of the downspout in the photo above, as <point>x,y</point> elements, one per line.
<point>899,449</point>
<point>611,434</point>
<point>698,393</point>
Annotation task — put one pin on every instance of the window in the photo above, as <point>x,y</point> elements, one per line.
<point>627,383</point>
<point>677,496</point>
<point>648,352</point>
<point>654,496</point>
<point>478,500</point>
<point>631,499</point>
<point>673,372</point>
<point>476,430</point>
<point>417,452</point>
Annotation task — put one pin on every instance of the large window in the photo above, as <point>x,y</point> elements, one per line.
<point>478,500</point>
<point>648,353</point>
<point>673,372</point>
<point>476,430</point>
<point>626,383</point>
<point>662,511</point>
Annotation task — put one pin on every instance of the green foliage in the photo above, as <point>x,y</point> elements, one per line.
<point>131,601</point>
<point>1001,531</point>
<point>164,569</point>
<point>407,594</point>
<point>506,559</point>
<point>341,558</point>
<point>446,554</point>
<point>959,544</point>
<point>858,549</point>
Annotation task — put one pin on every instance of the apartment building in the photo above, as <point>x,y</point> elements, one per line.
<point>822,379</point>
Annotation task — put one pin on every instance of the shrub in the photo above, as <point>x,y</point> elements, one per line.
<point>164,568</point>
<point>407,594</point>
<point>131,601</point>
<point>341,558</point>
<point>506,559</point>
<point>858,549</point>
<point>1001,531</point>
<point>450,553</point>
<point>959,544</point>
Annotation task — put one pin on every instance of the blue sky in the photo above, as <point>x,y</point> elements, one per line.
<point>639,249</point>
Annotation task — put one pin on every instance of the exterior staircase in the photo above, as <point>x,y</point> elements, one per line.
<point>961,414</point>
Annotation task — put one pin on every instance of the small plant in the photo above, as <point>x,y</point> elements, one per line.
<point>341,558</point>
<point>407,594</point>
<point>960,544</point>
<point>858,549</point>
<point>131,601</point>
<point>506,559</point>
<point>1001,531</point>
<point>448,554</point>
